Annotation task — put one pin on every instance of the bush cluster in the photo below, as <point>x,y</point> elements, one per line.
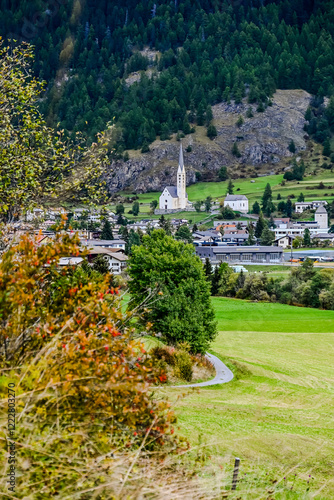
<point>304,286</point>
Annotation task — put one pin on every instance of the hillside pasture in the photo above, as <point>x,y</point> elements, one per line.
<point>277,413</point>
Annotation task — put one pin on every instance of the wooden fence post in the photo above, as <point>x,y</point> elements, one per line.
<point>235,473</point>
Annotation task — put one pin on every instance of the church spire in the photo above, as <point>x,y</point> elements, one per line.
<point>181,165</point>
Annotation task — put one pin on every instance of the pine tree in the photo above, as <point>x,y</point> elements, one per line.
<point>230,187</point>
<point>260,224</point>
<point>235,150</point>
<point>300,197</point>
<point>222,174</point>
<point>208,268</point>
<point>292,147</point>
<point>326,148</point>
<point>251,238</point>
<point>307,238</point>
<point>267,236</point>
<point>215,281</point>
<point>256,208</point>
<point>288,208</point>
<point>106,233</point>
<point>267,197</point>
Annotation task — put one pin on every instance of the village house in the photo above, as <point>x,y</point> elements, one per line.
<point>116,260</point>
<point>300,206</point>
<point>238,202</point>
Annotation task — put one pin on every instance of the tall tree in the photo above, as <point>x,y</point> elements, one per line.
<point>184,311</point>
<point>37,164</point>
<point>106,233</point>
<point>230,187</point>
<point>260,225</point>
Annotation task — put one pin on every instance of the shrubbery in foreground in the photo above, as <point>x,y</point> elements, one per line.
<point>83,385</point>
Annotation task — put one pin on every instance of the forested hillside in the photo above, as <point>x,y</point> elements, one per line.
<point>201,52</point>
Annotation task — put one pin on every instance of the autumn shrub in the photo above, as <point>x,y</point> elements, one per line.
<point>83,384</point>
<point>164,353</point>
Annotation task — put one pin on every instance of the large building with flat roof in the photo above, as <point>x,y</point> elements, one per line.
<point>245,254</point>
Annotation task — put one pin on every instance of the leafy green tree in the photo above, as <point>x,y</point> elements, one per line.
<point>198,205</point>
<point>267,236</point>
<point>184,311</point>
<point>195,228</point>
<point>260,225</point>
<point>135,208</point>
<point>120,209</point>
<point>154,204</point>
<point>227,213</point>
<point>230,187</point>
<point>300,197</point>
<point>36,163</point>
<point>183,233</point>
<point>100,264</point>
<point>222,174</point>
<point>106,233</point>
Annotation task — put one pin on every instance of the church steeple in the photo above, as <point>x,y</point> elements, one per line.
<point>181,181</point>
<point>181,165</point>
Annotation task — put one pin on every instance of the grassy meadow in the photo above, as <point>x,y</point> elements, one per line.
<point>277,413</point>
<point>252,188</point>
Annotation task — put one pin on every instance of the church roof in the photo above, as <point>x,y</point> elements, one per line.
<point>321,210</point>
<point>172,191</point>
<point>181,164</point>
<point>235,197</point>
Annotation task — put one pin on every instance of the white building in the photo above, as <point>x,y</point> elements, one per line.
<point>321,217</point>
<point>238,202</point>
<point>175,197</point>
<point>300,206</point>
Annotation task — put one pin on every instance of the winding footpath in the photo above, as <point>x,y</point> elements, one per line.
<point>223,374</point>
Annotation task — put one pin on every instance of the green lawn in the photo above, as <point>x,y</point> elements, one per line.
<point>277,414</point>
<point>252,188</point>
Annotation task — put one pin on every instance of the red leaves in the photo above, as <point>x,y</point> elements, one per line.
<point>106,347</point>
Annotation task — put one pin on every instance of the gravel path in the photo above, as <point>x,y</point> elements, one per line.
<point>223,374</point>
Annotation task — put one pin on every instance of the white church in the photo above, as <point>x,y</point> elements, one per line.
<point>175,198</point>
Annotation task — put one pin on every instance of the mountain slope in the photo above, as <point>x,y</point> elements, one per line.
<point>263,142</point>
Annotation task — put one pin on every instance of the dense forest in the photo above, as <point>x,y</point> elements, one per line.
<point>204,51</point>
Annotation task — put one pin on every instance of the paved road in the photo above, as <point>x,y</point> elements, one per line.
<point>223,374</point>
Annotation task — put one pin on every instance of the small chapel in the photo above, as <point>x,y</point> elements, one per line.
<point>175,197</point>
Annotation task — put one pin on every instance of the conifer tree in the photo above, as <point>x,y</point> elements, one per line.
<point>106,233</point>
<point>260,225</point>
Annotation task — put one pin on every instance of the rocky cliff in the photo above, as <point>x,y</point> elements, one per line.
<point>262,140</point>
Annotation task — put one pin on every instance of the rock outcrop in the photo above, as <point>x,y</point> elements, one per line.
<point>262,140</point>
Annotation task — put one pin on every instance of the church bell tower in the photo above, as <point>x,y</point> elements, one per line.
<point>181,181</point>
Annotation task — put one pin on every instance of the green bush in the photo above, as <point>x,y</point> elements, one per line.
<point>184,365</point>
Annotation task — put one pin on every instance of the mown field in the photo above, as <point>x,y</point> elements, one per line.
<point>277,413</point>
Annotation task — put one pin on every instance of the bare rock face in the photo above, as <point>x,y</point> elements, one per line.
<point>263,142</point>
